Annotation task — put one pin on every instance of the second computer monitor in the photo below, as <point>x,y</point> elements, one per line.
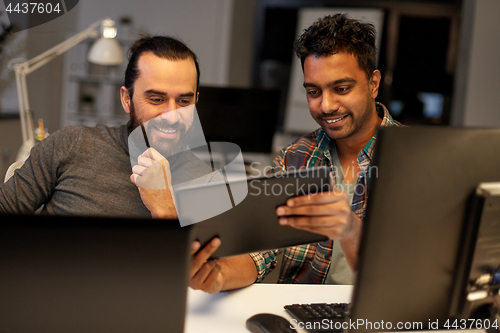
<point>247,117</point>
<point>410,257</point>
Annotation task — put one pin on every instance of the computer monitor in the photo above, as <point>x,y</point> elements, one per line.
<point>411,263</point>
<point>89,274</point>
<point>247,117</point>
<point>477,287</point>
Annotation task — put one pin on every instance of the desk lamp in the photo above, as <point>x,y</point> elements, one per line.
<point>105,51</point>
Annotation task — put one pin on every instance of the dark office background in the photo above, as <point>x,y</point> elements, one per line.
<point>417,55</point>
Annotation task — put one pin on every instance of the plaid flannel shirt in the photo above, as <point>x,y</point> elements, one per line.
<point>310,263</point>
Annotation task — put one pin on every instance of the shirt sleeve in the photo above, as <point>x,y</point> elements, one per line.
<point>278,164</point>
<point>33,184</point>
<point>265,263</point>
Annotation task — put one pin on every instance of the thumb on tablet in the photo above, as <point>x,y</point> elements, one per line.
<point>332,181</point>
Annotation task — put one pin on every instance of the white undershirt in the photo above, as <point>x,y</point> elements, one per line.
<point>340,272</point>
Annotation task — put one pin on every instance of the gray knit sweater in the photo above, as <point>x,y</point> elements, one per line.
<point>80,170</point>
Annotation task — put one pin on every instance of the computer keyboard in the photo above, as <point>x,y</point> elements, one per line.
<point>318,317</point>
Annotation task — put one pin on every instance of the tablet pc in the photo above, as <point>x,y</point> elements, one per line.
<point>252,224</point>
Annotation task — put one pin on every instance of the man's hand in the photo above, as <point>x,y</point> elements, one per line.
<point>206,274</point>
<point>153,178</point>
<point>327,213</point>
<point>213,275</point>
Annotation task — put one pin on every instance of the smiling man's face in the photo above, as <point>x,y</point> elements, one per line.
<point>340,96</point>
<point>163,100</point>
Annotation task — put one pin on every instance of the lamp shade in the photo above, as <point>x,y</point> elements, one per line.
<point>105,51</point>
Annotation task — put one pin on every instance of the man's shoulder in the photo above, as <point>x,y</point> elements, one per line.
<point>100,131</point>
<point>307,151</point>
<point>75,137</point>
<point>79,130</point>
<point>67,135</point>
<point>92,130</point>
<point>306,143</point>
<point>387,120</point>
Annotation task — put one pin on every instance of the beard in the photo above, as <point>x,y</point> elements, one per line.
<point>166,147</point>
<point>356,121</point>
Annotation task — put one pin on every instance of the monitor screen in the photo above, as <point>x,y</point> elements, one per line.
<point>92,274</point>
<point>420,193</point>
<point>246,117</point>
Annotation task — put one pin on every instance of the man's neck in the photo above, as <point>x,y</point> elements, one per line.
<point>348,148</point>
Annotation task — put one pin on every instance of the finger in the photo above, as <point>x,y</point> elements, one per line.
<point>153,154</point>
<point>152,178</point>
<point>203,255</point>
<point>166,171</point>
<point>332,180</point>
<point>138,169</point>
<point>335,208</point>
<point>334,233</point>
<point>144,161</point>
<point>202,273</point>
<point>195,247</point>
<point>146,153</point>
<point>320,226</point>
<point>317,198</point>
<point>335,227</point>
<point>211,284</point>
<point>132,179</point>
<point>314,221</point>
<point>199,280</point>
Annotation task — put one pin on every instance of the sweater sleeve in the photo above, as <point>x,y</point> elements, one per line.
<point>33,184</point>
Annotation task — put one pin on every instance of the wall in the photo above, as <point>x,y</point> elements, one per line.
<point>45,84</point>
<point>240,59</point>
<point>476,96</point>
<point>205,26</point>
<point>218,31</point>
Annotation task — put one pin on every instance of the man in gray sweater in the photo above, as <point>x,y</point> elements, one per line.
<point>87,171</point>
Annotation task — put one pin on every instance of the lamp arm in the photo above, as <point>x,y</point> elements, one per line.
<point>22,69</point>
<point>31,65</point>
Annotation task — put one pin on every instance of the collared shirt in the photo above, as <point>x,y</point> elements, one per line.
<point>310,263</point>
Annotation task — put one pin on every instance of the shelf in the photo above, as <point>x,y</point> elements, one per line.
<point>91,93</point>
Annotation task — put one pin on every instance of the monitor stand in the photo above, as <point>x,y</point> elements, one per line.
<point>482,299</point>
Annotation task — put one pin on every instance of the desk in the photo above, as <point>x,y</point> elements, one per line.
<point>228,311</point>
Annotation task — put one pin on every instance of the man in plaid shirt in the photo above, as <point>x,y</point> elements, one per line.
<point>313,263</point>
<point>338,57</point>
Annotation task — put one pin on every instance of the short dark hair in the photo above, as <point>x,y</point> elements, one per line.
<point>162,46</point>
<point>339,34</point>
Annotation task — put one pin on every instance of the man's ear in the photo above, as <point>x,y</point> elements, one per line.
<point>197,97</point>
<point>374,83</point>
<point>125,98</point>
